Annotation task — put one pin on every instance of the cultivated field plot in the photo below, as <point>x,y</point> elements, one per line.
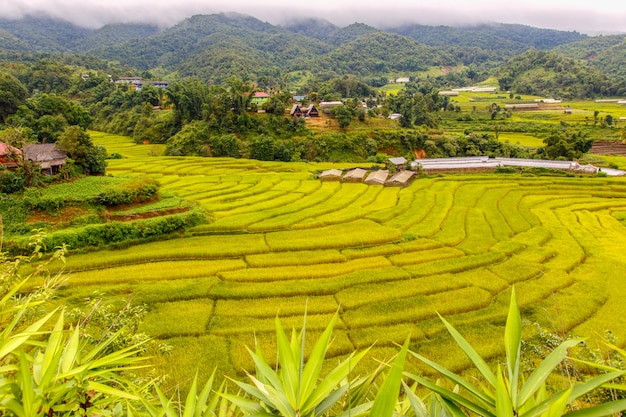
<point>388,259</point>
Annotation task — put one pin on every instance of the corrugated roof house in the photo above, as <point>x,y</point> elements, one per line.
<point>331,175</point>
<point>49,158</point>
<point>355,175</point>
<point>9,155</point>
<point>377,177</point>
<point>401,179</point>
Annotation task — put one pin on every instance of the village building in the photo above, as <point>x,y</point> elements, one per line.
<point>398,162</point>
<point>331,175</point>
<point>448,93</point>
<point>9,156</point>
<point>355,175</point>
<point>522,106</point>
<point>377,177</point>
<point>259,98</point>
<point>49,158</point>
<point>401,179</point>
<point>308,111</point>
<point>403,80</point>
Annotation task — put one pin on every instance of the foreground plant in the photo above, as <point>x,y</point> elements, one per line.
<point>296,388</point>
<point>507,393</point>
<point>47,372</point>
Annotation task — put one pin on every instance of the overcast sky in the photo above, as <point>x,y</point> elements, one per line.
<point>583,16</point>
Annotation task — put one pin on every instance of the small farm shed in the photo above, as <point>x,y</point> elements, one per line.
<point>331,175</point>
<point>355,175</point>
<point>296,110</point>
<point>49,158</point>
<point>9,155</point>
<point>310,111</point>
<point>377,177</point>
<point>522,106</point>
<point>399,162</point>
<point>401,179</point>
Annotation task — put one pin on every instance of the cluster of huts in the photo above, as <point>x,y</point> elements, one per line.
<point>47,156</point>
<point>406,173</point>
<point>375,177</point>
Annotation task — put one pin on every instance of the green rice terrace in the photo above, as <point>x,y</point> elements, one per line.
<point>280,242</point>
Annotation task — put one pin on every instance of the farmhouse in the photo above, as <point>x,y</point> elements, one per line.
<point>9,155</point>
<point>398,162</point>
<point>403,80</point>
<point>49,158</point>
<point>377,177</point>
<point>259,97</point>
<point>355,175</point>
<point>448,93</point>
<point>308,111</point>
<point>331,175</point>
<point>401,179</point>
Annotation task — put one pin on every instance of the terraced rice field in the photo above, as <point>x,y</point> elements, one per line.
<point>388,259</point>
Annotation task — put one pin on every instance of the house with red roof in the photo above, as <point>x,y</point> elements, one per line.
<point>9,156</point>
<point>259,97</point>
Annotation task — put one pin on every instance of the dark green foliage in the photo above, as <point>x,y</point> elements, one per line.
<point>12,95</point>
<point>76,142</point>
<point>225,145</point>
<point>547,73</point>
<point>191,140</point>
<point>567,145</point>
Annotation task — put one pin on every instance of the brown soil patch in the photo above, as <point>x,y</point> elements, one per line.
<point>145,215</point>
<point>64,215</point>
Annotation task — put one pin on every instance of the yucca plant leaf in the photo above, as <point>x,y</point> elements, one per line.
<point>13,342</point>
<point>264,371</point>
<point>417,405</point>
<point>71,352</point>
<point>27,387</point>
<point>605,409</point>
<point>387,397</point>
<point>513,346</point>
<point>249,406</point>
<point>313,367</point>
<point>332,380</point>
<point>289,365</point>
<point>558,404</point>
<point>253,390</point>
<point>454,397</point>
<point>545,368</point>
<point>487,400</point>
<point>577,391</point>
<point>328,402</point>
<point>192,397</point>
<point>205,401</point>
<point>358,411</point>
<point>504,405</point>
<point>111,391</point>
<point>449,409</point>
<point>469,351</point>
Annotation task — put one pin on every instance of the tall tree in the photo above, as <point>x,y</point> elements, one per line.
<point>12,95</point>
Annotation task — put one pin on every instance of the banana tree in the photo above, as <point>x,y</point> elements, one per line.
<point>506,392</point>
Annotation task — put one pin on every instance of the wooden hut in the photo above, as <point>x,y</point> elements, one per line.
<point>401,179</point>
<point>49,158</point>
<point>355,175</point>
<point>331,175</point>
<point>377,177</point>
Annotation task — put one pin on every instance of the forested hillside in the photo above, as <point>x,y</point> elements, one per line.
<point>214,47</point>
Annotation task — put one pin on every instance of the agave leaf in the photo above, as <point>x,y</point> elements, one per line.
<point>191,400</point>
<point>328,402</point>
<point>513,345</point>
<point>203,399</point>
<point>264,371</point>
<point>545,368</point>
<point>358,411</point>
<point>387,397</point>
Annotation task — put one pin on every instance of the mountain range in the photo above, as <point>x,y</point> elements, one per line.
<point>216,46</point>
